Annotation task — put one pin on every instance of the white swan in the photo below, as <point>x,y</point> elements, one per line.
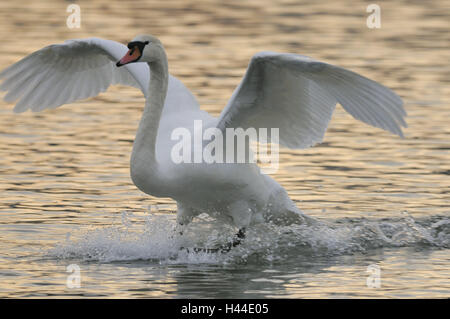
<point>287,91</point>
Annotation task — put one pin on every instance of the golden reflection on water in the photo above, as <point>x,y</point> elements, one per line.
<point>70,166</point>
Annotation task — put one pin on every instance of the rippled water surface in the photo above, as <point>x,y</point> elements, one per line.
<point>382,201</point>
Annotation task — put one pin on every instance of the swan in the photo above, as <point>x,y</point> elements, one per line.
<point>291,92</point>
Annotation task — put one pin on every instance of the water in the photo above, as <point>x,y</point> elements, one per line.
<point>67,197</point>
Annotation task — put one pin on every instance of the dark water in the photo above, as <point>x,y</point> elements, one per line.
<point>67,197</point>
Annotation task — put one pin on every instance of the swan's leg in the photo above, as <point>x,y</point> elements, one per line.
<point>185,214</point>
<point>241,213</point>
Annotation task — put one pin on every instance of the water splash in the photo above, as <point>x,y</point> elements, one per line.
<point>155,238</point>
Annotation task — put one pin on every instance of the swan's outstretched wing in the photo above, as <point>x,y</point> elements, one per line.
<point>63,73</point>
<point>77,69</point>
<point>298,95</point>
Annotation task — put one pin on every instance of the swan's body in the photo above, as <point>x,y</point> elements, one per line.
<point>287,91</point>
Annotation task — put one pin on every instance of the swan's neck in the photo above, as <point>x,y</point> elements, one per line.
<point>144,165</point>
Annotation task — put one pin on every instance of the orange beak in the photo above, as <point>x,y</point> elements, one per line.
<point>132,55</point>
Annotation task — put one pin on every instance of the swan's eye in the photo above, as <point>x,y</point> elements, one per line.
<point>132,51</point>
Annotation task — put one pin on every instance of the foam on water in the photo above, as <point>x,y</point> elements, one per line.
<point>155,238</point>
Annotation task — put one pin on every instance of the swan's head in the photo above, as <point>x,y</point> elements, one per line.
<point>143,48</point>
